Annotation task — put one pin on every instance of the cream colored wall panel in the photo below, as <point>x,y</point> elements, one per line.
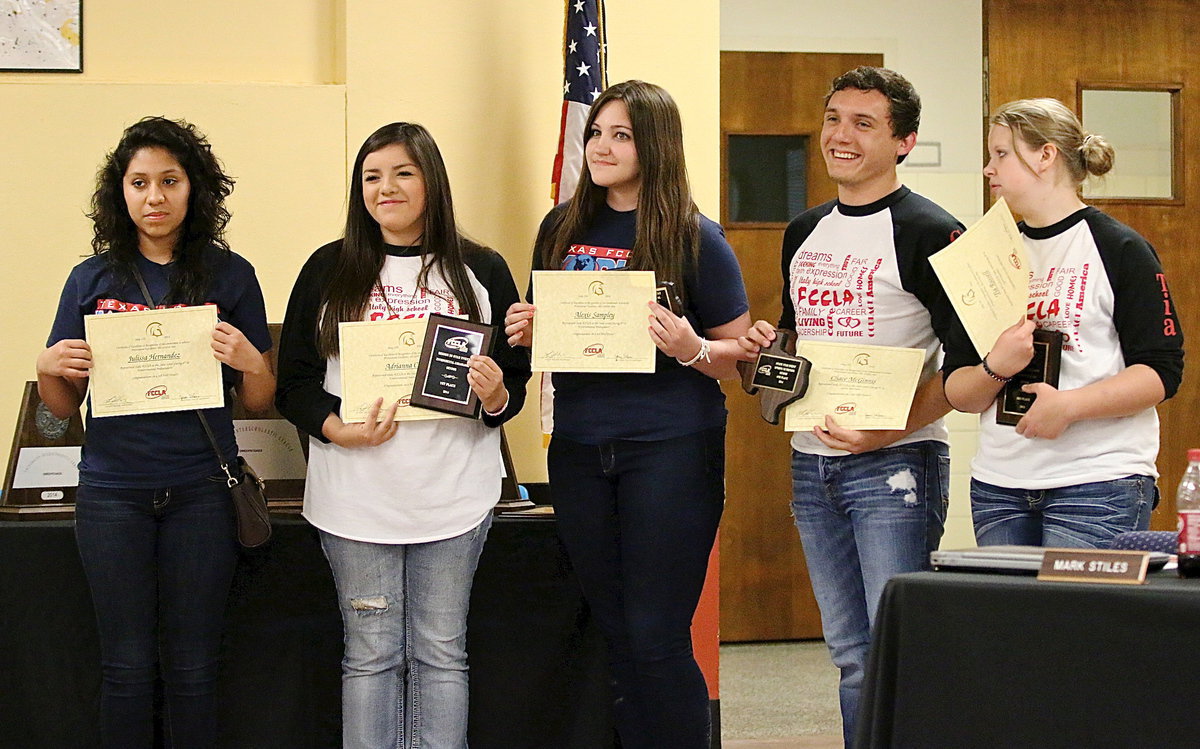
<point>283,144</point>
<point>286,41</point>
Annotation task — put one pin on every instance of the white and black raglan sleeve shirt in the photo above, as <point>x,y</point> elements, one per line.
<point>1102,285</point>
<point>861,274</point>
<point>434,479</point>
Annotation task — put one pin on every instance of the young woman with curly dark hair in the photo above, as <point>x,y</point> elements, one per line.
<point>154,519</point>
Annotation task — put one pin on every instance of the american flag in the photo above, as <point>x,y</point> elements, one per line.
<point>585,75</point>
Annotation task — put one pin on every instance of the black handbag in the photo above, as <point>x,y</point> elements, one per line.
<point>249,499</point>
<point>247,489</point>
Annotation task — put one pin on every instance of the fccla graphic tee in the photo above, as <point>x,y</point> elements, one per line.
<point>861,274</point>
<point>1101,284</point>
<point>432,480</point>
<point>163,449</point>
<point>674,400</point>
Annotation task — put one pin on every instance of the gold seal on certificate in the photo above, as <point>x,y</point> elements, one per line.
<point>1012,402</point>
<point>153,361</point>
<point>593,321</point>
<point>441,382</point>
<point>379,360</point>
<point>862,387</point>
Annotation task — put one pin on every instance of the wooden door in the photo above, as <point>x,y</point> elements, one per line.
<point>1034,48</point>
<point>765,593</point>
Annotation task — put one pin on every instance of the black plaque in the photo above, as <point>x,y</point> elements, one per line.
<point>441,383</point>
<point>778,376</point>
<point>1012,403</point>
<point>39,430</point>
<point>664,294</point>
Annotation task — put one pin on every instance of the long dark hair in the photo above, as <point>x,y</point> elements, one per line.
<point>668,223</point>
<point>356,271</point>
<point>114,235</point>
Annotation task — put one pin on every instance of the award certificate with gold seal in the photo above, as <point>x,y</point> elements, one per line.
<point>593,321</point>
<point>380,359</point>
<point>985,272</point>
<point>862,387</point>
<point>153,361</point>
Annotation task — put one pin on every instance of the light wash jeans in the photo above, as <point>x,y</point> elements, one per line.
<point>1080,516</point>
<point>404,607</point>
<point>862,519</point>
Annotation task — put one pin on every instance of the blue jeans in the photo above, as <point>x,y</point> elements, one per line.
<point>1080,516</point>
<point>404,607</point>
<point>159,563</point>
<point>638,520</point>
<point>862,519</point>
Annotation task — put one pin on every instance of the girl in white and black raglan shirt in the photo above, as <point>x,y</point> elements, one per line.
<point>1079,467</point>
<point>403,509</point>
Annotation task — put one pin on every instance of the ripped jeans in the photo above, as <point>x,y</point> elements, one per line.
<point>862,519</point>
<point>404,608</point>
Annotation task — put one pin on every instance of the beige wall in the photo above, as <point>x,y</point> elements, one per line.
<point>286,91</point>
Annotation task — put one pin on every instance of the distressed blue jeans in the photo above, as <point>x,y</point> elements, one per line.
<point>1080,516</point>
<point>404,607</point>
<point>159,563</point>
<point>862,519</point>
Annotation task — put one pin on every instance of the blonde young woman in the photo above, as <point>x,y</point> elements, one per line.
<point>1079,467</point>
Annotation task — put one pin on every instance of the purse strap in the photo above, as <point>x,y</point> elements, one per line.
<point>230,481</point>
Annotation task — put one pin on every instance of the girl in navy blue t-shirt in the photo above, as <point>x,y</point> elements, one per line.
<point>153,518</point>
<point>637,460</point>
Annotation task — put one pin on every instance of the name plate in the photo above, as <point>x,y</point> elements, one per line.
<point>1095,566</point>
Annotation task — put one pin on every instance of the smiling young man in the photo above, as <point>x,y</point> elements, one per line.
<point>868,504</point>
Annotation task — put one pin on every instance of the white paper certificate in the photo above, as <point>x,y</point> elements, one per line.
<point>592,321</point>
<point>862,387</point>
<point>379,360</point>
<point>153,361</point>
<point>985,272</point>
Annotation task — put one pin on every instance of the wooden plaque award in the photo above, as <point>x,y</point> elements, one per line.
<point>778,375</point>
<point>1012,402</point>
<point>43,468</point>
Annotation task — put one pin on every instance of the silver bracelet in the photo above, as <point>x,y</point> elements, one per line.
<point>701,354</point>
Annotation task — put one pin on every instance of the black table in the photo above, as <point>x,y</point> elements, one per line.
<point>538,674</point>
<point>971,660</point>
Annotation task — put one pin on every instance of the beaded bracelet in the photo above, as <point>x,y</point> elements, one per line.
<point>993,375</point>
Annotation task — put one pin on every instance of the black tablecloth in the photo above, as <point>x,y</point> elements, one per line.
<point>537,661</point>
<point>970,660</point>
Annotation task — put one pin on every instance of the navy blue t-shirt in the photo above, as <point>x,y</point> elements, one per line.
<point>164,449</point>
<point>674,400</point>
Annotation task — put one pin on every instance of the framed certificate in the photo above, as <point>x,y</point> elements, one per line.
<point>441,382</point>
<point>153,361</point>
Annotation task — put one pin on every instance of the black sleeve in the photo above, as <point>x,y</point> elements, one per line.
<point>1143,309</point>
<point>547,224</point>
<point>927,231</point>
<point>491,271</point>
<point>300,393</point>
<point>794,236</point>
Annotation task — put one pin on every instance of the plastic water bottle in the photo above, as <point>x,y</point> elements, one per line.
<point>1187,502</point>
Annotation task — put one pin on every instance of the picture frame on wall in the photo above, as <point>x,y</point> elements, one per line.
<point>41,36</point>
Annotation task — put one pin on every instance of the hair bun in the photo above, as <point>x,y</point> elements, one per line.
<point>1097,154</point>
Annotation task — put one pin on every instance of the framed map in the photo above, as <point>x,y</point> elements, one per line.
<point>43,36</point>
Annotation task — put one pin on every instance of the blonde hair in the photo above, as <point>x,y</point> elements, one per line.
<point>1040,121</point>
